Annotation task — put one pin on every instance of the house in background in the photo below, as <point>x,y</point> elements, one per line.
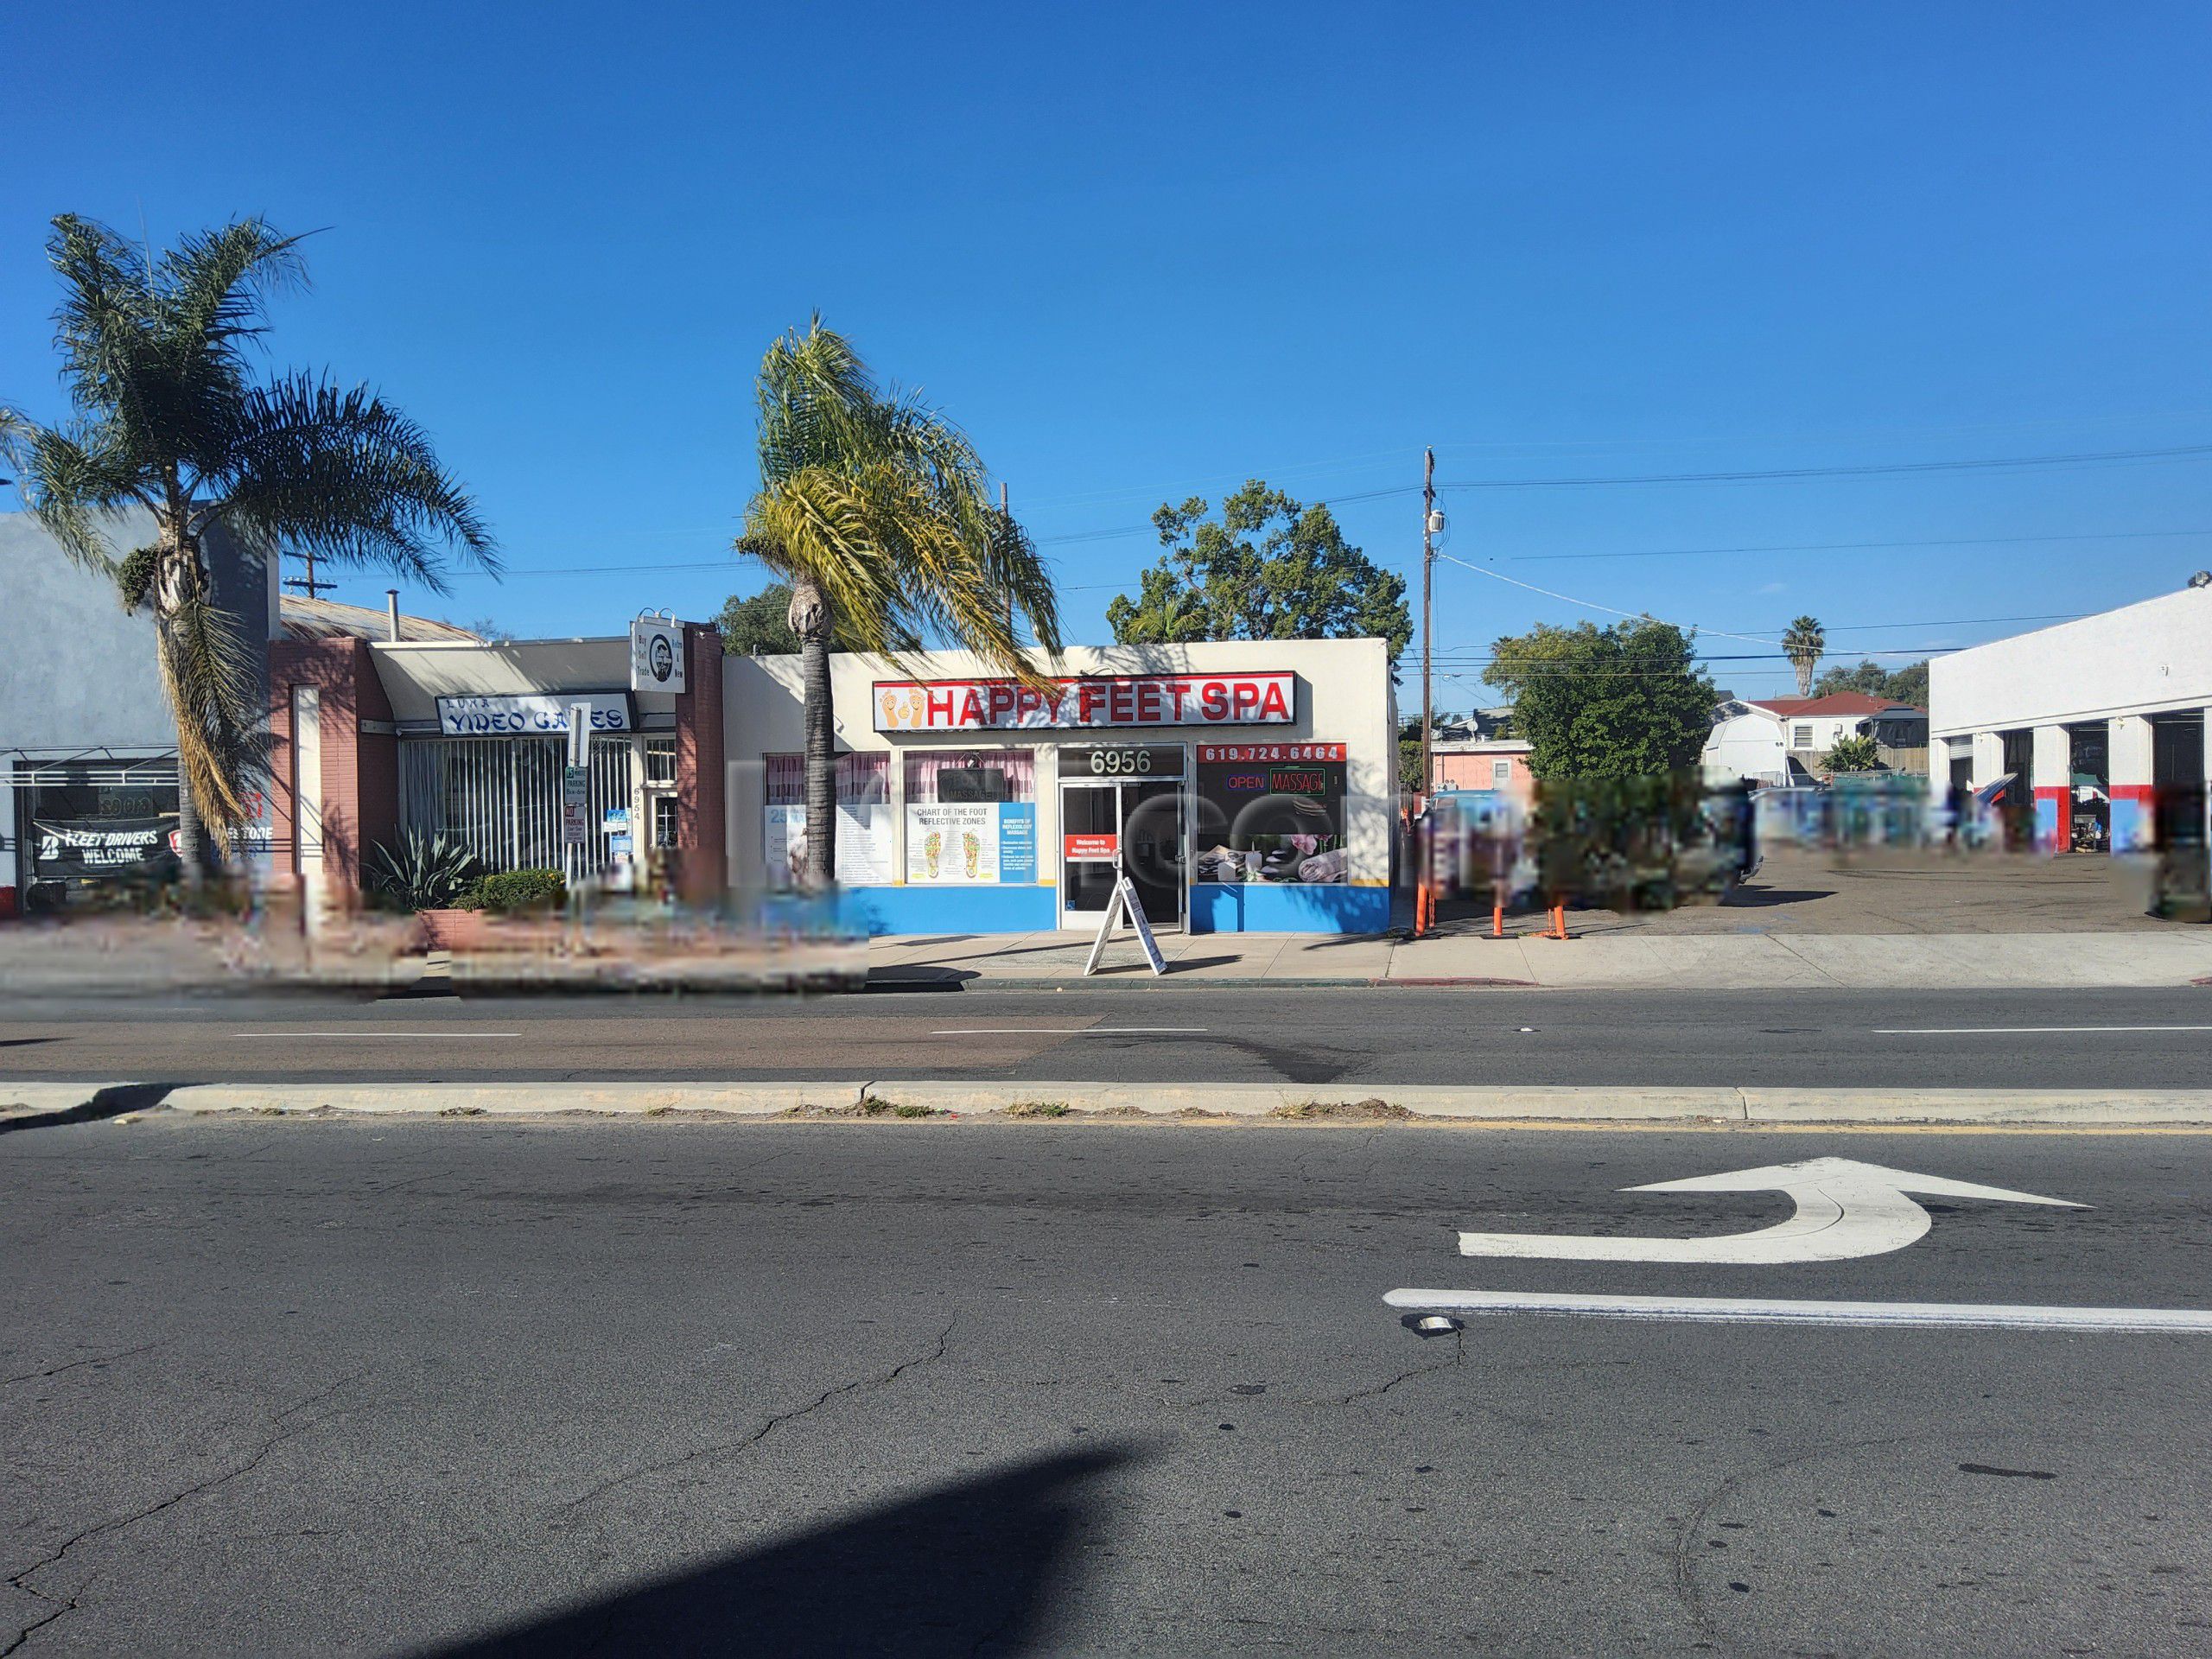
<point>1476,758</point>
<point>1780,741</point>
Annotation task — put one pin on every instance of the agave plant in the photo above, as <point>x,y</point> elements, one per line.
<point>422,872</point>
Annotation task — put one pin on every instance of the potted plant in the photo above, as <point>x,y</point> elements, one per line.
<point>433,876</point>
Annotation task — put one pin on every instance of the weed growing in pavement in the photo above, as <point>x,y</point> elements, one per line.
<point>1039,1109</point>
<point>913,1111</point>
<point>1372,1109</point>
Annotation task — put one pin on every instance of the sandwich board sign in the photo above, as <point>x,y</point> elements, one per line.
<point>1121,907</point>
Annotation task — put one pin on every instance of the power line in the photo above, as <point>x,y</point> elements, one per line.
<point>1861,547</point>
<point>2081,458</point>
<point>1591,605</point>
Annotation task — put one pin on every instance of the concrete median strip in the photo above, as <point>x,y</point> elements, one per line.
<point>1311,1104</point>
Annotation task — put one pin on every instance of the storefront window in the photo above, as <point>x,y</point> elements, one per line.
<point>863,819</point>
<point>971,817</point>
<point>89,823</point>
<point>1271,812</point>
<point>660,760</point>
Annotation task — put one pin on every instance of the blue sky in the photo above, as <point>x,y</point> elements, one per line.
<point>1146,252</point>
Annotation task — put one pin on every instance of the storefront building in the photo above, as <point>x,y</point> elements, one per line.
<point>377,740</point>
<point>1245,786</point>
<point>88,778</point>
<point>2096,727</point>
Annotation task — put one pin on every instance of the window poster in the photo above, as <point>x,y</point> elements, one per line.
<point>863,844</point>
<point>1271,812</point>
<point>971,843</point>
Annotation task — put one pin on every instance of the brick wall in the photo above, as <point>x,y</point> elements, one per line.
<point>702,829</point>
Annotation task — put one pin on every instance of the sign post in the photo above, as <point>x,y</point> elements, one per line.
<point>575,794</point>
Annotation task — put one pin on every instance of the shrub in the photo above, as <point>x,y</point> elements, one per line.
<point>520,892</point>
<point>422,873</point>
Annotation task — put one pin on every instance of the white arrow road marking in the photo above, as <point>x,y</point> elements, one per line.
<point>1845,1209</point>
<point>1753,1310</point>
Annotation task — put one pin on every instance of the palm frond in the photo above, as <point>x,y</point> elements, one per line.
<point>208,674</point>
<point>884,504</point>
<point>74,482</point>
<point>344,474</point>
<point>153,350</point>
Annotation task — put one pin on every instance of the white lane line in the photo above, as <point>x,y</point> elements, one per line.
<point>376,1033</point>
<point>1755,1310</point>
<point>2012,1031</point>
<point>1068,1031</point>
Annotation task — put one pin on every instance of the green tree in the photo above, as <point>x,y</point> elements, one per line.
<point>169,417</point>
<point>877,511</point>
<point>1907,684</point>
<point>759,626</point>
<point>1803,645</point>
<point>1627,701</point>
<point>1852,754</point>
<point>1268,567</point>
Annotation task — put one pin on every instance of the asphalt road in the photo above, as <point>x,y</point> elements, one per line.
<point>460,1388</point>
<point>2056,1039</point>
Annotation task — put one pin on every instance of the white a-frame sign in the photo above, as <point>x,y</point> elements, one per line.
<point>1122,906</point>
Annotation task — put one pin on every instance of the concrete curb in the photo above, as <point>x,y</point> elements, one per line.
<point>1712,1105</point>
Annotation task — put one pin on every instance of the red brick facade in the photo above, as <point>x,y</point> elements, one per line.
<point>702,812</point>
<point>360,770</point>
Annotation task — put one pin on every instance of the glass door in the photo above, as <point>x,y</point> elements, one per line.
<point>1140,821</point>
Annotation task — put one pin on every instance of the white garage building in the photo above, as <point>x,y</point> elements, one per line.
<point>2099,722</point>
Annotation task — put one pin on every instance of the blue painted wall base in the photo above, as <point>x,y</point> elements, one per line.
<point>1286,907</point>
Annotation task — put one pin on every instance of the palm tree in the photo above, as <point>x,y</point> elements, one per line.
<point>878,512</point>
<point>1803,645</point>
<point>169,418</point>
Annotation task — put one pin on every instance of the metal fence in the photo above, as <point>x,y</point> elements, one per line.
<point>500,797</point>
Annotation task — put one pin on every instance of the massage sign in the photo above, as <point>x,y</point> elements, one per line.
<point>1092,701</point>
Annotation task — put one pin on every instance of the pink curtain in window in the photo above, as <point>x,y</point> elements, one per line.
<point>1019,764</point>
<point>861,779</point>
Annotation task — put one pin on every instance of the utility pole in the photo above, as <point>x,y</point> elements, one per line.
<point>1424,918</point>
<point>1427,586</point>
<point>307,584</point>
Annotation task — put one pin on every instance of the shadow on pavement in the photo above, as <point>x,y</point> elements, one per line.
<point>112,1102</point>
<point>978,1566</point>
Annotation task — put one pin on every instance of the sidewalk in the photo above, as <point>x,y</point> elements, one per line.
<point>1682,962</point>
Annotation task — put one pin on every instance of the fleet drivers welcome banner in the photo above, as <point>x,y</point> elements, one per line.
<point>1092,701</point>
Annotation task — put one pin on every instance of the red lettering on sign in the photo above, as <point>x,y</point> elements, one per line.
<point>1149,706</point>
<point>1089,846</point>
<point>1002,696</point>
<point>1213,700</point>
<point>971,708</point>
<point>1244,697</point>
<point>940,707</point>
<point>1274,705</point>
<point>1027,702</point>
<point>1175,690</point>
<point>1120,705</point>
<point>1088,696</point>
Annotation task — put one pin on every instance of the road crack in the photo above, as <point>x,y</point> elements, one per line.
<point>74,1364</point>
<point>768,1426</point>
<point>1458,1357</point>
<point>64,1605</point>
<point>1685,1574</point>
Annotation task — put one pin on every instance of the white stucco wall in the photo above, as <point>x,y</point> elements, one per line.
<point>1343,697</point>
<point>2139,659</point>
